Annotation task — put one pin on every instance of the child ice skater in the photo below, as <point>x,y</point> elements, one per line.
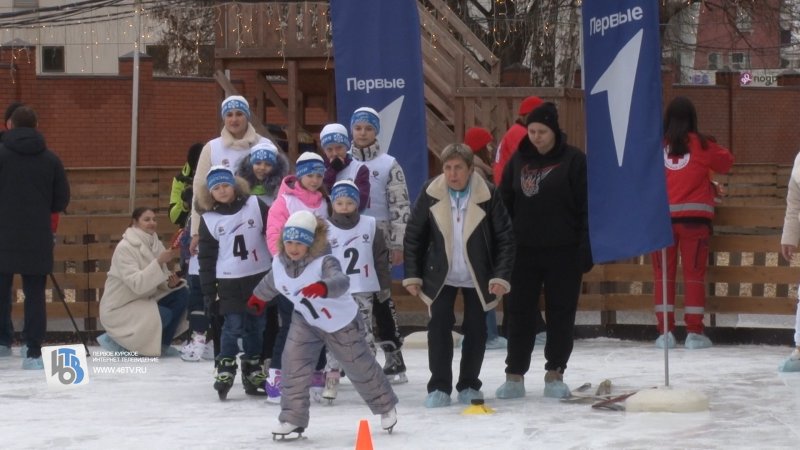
<point>233,258</point>
<point>340,165</point>
<point>325,314</point>
<point>359,245</point>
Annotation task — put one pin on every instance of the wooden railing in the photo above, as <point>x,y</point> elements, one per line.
<point>746,275</point>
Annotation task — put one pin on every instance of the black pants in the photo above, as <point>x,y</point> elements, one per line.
<point>35,311</point>
<point>557,271</point>
<point>386,321</point>
<point>440,341</point>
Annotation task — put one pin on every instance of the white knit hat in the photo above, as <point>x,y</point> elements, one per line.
<point>300,227</point>
<point>235,102</point>
<point>368,115</point>
<point>309,163</point>
<point>334,133</point>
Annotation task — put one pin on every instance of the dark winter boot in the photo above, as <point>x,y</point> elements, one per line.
<point>226,374</point>
<point>394,368</point>
<point>253,376</point>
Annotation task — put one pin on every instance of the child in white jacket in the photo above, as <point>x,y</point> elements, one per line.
<point>325,314</point>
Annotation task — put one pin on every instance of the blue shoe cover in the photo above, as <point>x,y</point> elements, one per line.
<point>556,389</point>
<point>696,341</point>
<point>511,389</point>
<point>5,351</point>
<point>497,343</point>
<point>33,363</point>
<point>541,338</point>
<point>109,344</point>
<point>790,365</point>
<point>437,399</point>
<point>466,396</point>
<point>670,340</point>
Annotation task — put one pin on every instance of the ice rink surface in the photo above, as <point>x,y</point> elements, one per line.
<point>172,405</point>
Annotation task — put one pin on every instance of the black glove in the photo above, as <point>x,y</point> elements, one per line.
<point>186,195</point>
<point>337,164</point>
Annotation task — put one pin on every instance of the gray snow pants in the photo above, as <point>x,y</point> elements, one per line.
<point>301,353</point>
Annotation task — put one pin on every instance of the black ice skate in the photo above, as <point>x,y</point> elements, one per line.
<point>394,368</point>
<point>287,431</point>
<point>253,377</point>
<point>226,374</point>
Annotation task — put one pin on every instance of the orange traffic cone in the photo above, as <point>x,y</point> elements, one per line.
<point>364,438</point>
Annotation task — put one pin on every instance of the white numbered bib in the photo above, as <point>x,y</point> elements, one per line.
<point>353,249</point>
<point>242,247</point>
<point>327,314</point>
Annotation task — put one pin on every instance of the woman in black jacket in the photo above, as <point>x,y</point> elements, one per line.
<point>544,191</point>
<point>458,237</point>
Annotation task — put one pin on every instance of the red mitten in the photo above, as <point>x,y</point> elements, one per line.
<point>313,290</point>
<point>256,305</point>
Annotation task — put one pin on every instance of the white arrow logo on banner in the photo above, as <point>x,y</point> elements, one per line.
<point>389,116</point>
<point>618,81</point>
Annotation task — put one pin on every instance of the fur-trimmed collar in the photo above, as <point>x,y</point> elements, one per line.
<point>443,216</point>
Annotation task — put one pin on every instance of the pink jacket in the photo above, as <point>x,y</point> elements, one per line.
<point>290,194</point>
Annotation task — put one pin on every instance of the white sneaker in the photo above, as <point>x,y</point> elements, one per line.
<point>389,420</point>
<point>194,349</point>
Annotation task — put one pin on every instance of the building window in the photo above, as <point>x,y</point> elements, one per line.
<point>160,55</point>
<point>53,59</point>
<point>740,60</point>
<point>713,61</point>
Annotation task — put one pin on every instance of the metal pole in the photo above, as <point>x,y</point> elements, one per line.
<point>135,106</point>
<point>664,311</point>
<point>63,299</point>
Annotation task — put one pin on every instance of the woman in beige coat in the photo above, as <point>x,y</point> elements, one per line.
<point>144,304</point>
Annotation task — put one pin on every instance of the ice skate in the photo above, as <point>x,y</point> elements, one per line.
<point>670,340</point>
<point>695,341</point>
<point>273,386</point>
<point>554,386</point>
<point>253,377</point>
<point>394,368</point>
<point>514,387</point>
<point>193,350</point>
<point>331,386</point>
<point>389,420</point>
<point>208,351</point>
<point>287,431</point>
<point>318,383</point>
<point>226,374</point>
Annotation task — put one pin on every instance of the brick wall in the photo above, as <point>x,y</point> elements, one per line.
<point>87,120</point>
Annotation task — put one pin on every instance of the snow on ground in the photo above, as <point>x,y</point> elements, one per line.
<point>173,406</point>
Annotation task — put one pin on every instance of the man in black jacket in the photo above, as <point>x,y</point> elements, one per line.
<point>457,211</point>
<point>33,184</point>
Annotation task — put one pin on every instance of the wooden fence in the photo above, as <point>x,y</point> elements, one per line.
<point>746,273</point>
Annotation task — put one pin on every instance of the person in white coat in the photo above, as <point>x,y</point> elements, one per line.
<point>144,304</point>
<point>789,239</point>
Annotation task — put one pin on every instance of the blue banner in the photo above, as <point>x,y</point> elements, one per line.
<point>628,207</point>
<point>378,63</point>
